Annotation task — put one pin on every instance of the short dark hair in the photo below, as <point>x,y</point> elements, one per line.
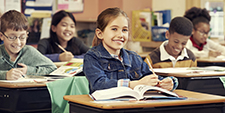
<point>14,20</point>
<point>181,25</point>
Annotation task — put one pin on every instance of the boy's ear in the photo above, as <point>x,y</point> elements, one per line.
<point>167,35</point>
<point>53,28</point>
<point>99,33</point>
<point>193,31</point>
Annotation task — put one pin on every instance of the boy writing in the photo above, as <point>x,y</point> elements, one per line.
<point>16,58</point>
<point>172,52</point>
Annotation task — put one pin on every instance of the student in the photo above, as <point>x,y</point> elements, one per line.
<point>199,43</point>
<point>18,59</point>
<point>62,32</point>
<point>172,52</point>
<point>108,65</point>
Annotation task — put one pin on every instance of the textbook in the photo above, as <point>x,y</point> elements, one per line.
<point>69,69</point>
<point>140,92</point>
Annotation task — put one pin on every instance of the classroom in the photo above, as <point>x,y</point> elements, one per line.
<point>62,56</point>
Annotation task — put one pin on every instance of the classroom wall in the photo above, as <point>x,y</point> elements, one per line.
<point>90,11</point>
<point>93,7</point>
<point>177,7</point>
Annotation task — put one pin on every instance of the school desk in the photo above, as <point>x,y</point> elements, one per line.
<point>206,82</point>
<point>201,62</point>
<point>195,103</point>
<point>35,97</point>
<point>24,97</point>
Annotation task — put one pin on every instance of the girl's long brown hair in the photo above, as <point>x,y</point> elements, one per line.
<point>103,20</point>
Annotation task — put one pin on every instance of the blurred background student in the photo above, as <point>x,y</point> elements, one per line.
<point>34,32</point>
<point>62,45</point>
<point>199,42</point>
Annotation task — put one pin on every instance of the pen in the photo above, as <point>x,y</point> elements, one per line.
<point>60,47</point>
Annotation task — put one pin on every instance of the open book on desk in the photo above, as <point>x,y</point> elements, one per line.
<point>69,69</point>
<point>140,92</point>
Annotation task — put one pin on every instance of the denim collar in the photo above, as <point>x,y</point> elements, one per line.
<point>103,53</point>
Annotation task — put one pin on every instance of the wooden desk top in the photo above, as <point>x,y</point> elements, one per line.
<point>210,60</point>
<point>193,98</point>
<point>192,74</point>
<point>21,84</point>
<point>186,72</point>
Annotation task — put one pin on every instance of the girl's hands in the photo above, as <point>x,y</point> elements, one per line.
<point>166,83</point>
<point>66,56</point>
<point>150,80</point>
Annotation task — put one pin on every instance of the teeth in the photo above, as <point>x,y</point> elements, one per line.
<point>16,47</point>
<point>177,50</point>
<point>67,34</point>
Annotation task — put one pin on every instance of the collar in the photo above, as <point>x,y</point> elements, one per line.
<point>195,45</point>
<point>102,52</point>
<point>164,54</point>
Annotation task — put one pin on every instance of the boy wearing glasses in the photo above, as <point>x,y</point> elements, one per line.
<point>172,52</point>
<point>16,58</point>
<point>199,43</point>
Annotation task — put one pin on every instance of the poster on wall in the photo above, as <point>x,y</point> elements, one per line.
<point>141,25</point>
<point>71,5</point>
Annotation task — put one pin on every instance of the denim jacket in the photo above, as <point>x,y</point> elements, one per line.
<point>103,71</point>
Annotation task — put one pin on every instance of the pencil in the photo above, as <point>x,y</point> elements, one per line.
<point>60,47</point>
<point>151,67</point>
<point>152,71</point>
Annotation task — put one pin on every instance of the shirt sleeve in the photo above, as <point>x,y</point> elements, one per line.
<point>42,46</point>
<point>38,64</point>
<point>53,57</point>
<point>3,74</point>
<point>82,47</point>
<point>123,82</point>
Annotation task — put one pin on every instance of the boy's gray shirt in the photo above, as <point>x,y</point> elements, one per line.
<point>37,64</point>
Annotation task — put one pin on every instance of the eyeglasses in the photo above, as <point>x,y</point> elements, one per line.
<point>13,38</point>
<point>204,33</point>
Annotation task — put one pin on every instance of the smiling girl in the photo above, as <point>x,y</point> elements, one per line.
<point>62,32</point>
<point>108,65</point>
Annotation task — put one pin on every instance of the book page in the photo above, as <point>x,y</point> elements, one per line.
<point>142,89</point>
<point>113,93</point>
<point>69,69</point>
